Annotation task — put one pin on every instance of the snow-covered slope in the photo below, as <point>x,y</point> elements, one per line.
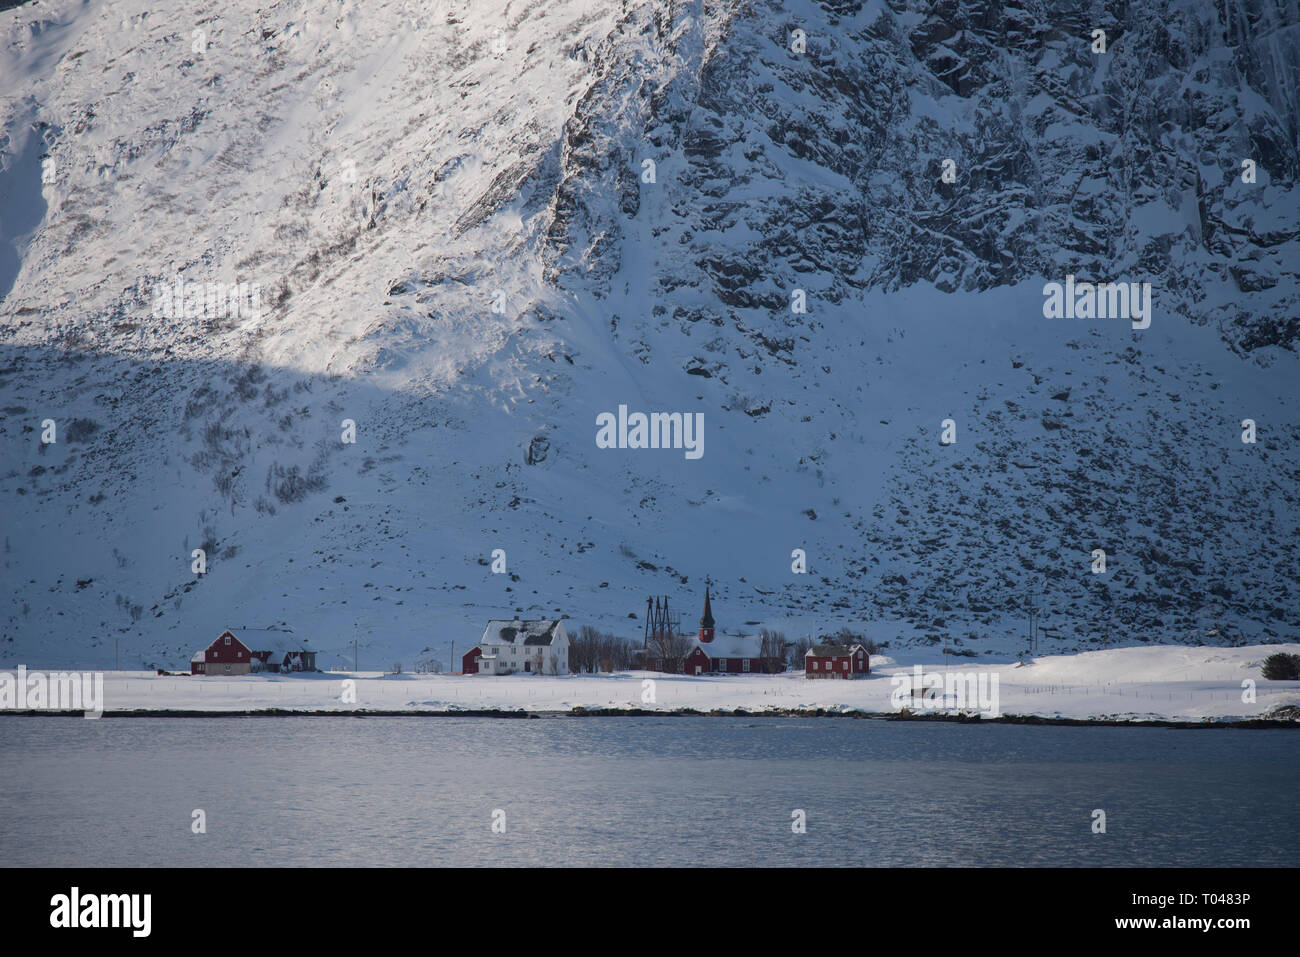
<point>445,207</point>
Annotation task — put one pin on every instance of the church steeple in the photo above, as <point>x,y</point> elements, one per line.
<point>706,621</point>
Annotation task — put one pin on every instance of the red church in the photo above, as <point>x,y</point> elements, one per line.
<point>728,654</point>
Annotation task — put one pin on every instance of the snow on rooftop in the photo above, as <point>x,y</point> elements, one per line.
<point>831,651</point>
<point>539,632</point>
<point>277,640</point>
<point>732,646</point>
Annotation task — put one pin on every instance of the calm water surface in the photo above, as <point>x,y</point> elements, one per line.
<point>639,791</point>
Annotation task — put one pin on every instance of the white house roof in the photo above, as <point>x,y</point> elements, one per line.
<point>732,646</point>
<point>199,655</point>
<point>516,632</point>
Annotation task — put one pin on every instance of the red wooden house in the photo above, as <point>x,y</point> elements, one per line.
<point>836,661</point>
<point>469,661</point>
<point>225,656</point>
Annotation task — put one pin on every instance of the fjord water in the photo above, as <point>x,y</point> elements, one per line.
<point>638,791</point>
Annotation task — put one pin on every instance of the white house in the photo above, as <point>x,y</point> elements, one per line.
<point>539,647</point>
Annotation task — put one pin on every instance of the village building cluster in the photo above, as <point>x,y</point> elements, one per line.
<point>543,647</point>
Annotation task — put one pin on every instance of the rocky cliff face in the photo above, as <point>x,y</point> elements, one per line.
<point>831,160</point>
<point>825,226</point>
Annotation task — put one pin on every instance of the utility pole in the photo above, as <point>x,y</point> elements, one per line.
<point>354,656</point>
<point>1033,611</point>
<point>1031,619</point>
<point>451,665</point>
<point>1039,630</point>
<point>115,662</point>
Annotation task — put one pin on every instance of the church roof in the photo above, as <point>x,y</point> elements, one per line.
<point>732,646</point>
<point>707,620</point>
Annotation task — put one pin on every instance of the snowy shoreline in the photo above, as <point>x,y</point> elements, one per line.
<point>1176,684</point>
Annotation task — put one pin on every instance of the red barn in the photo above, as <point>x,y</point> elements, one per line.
<point>469,661</point>
<point>836,661</point>
<point>225,656</point>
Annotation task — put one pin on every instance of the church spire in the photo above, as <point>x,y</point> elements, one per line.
<point>706,621</point>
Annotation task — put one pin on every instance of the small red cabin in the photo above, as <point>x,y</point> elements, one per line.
<point>836,661</point>
<point>469,661</point>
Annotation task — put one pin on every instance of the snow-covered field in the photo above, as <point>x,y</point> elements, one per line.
<point>1165,682</point>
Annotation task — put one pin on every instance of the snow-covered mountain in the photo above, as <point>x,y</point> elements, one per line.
<point>472,228</point>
